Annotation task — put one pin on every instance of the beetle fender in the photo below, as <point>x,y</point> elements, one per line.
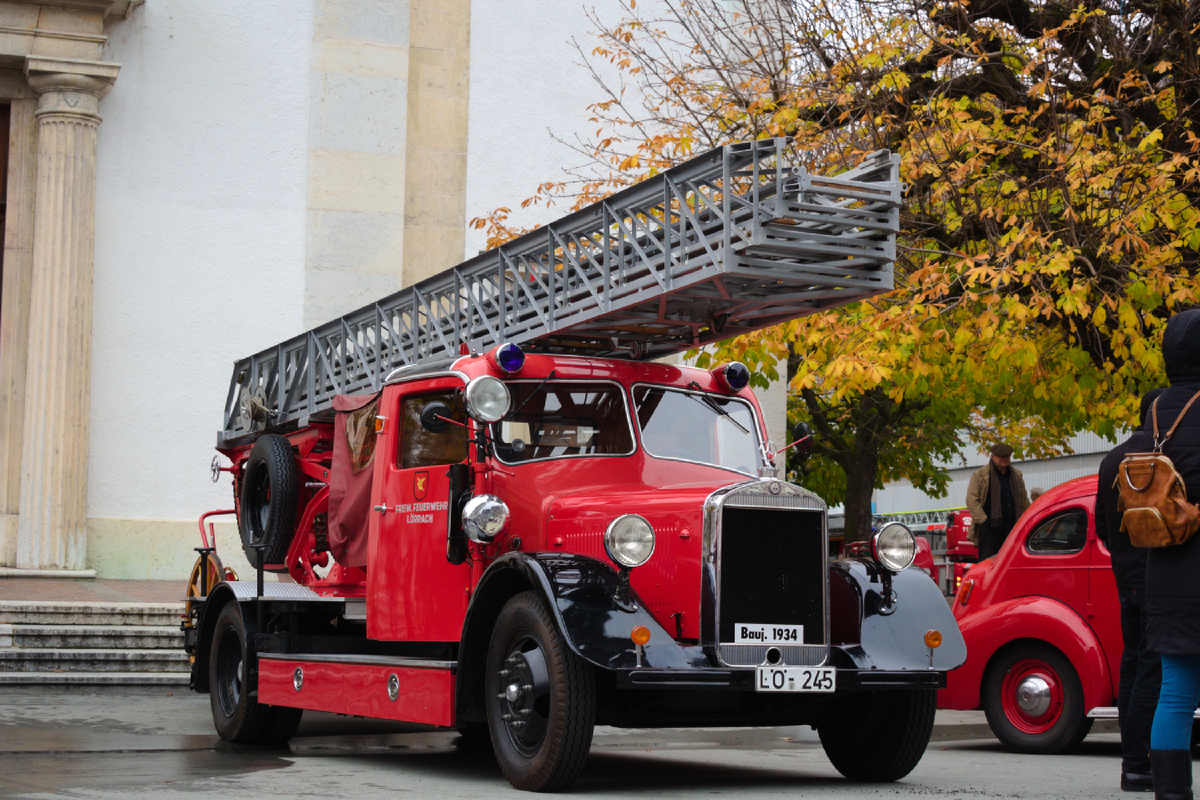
<point>579,594</point>
<point>1033,619</point>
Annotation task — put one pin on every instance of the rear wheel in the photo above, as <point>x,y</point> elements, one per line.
<point>541,699</point>
<point>238,717</point>
<point>1034,700</point>
<point>879,736</point>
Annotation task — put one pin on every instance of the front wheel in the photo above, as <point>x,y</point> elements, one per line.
<point>879,737</point>
<point>541,699</point>
<point>237,716</point>
<point>1034,700</point>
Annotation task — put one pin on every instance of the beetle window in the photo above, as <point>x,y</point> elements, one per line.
<point>419,447</point>
<point>1064,533</point>
<point>560,419</point>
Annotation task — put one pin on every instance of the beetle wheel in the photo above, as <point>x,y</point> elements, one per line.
<point>1034,700</point>
<point>541,699</point>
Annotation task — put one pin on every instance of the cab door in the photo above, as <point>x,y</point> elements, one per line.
<point>415,593</point>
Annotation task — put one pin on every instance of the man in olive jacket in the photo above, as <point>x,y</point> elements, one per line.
<point>996,498</point>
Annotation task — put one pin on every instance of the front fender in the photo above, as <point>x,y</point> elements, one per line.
<point>873,634</point>
<point>1033,619</point>
<point>578,592</point>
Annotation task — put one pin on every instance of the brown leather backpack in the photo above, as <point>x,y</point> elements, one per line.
<point>1154,505</point>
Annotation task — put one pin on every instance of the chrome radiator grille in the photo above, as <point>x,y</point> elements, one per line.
<point>772,568</point>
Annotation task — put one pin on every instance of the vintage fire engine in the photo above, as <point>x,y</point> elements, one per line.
<point>498,516</point>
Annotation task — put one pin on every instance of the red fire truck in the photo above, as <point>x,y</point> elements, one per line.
<point>498,516</point>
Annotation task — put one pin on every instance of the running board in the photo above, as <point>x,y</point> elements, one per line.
<point>383,687</point>
<point>1110,712</point>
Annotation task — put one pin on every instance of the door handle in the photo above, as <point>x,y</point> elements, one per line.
<point>381,509</point>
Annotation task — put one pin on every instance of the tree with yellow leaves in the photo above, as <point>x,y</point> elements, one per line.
<point>1050,226</point>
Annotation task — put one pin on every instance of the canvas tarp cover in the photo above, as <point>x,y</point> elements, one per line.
<point>350,484</point>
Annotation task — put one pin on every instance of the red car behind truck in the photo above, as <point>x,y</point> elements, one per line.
<point>1043,627</point>
<point>521,545</point>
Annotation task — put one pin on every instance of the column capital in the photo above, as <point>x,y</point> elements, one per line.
<point>70,87</point>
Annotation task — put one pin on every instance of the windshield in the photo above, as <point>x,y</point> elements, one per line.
<point>697,426</point>
<point>558,419</point>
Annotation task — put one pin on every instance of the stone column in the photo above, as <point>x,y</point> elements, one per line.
<point>52,527</point>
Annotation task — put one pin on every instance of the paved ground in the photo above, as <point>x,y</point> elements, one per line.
<point>124,748</point>
<point>150,747</point>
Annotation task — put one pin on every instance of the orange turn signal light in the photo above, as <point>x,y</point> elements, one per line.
<point>964,592</point>
<point>379,423</point>
<point>933,639</point>
<point>640,634</point>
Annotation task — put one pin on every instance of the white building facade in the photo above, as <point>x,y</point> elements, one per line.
<point>187,183</point>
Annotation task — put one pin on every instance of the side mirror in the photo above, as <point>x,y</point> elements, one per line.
<point>802,437</point>
<point>435,416</point>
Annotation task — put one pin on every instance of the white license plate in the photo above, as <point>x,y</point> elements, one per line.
<point>757,633</point>
<point>795,679</point>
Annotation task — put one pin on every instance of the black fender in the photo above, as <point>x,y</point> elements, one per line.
<point>579,593</point>
<point>869,633</point>
<point>218,596</point>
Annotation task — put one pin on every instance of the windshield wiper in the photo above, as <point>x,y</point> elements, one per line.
<point>714,405</point>
<point>536,389</point>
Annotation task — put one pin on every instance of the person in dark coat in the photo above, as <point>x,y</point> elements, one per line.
<point>1141,671</point>
<point>1173,573</point>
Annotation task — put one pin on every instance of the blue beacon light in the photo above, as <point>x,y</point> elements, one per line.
<point>736,376</point>
<point>510,357</point>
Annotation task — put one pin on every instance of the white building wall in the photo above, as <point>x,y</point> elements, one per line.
<point>200,237</point>
<point>526,88</point>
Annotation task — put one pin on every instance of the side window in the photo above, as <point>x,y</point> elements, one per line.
<point>1062,533</point>
<point>419,447</point>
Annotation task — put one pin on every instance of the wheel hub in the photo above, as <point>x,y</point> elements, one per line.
<point>1033,695</point>
<point>523,696</point>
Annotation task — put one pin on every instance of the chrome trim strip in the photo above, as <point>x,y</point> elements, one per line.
<point>760,493</point>
<point>628,424</point>
<point>1110,712</point>
<point>379,661</point>
<point>446,373</point>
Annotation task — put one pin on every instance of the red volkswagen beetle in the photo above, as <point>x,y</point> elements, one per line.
<point>1043,628</point>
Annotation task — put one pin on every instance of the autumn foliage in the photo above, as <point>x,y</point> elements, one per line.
<point>1052,156</point>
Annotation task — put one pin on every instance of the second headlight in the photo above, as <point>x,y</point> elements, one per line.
<point>485,517</point>
<point>893,546</point>
<point>629,540</point>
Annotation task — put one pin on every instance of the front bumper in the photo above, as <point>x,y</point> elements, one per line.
<point>742,680</point>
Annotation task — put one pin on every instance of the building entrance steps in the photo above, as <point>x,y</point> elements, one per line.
<point>96,641</point>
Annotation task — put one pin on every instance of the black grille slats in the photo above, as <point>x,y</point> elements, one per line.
<point>773,570</point>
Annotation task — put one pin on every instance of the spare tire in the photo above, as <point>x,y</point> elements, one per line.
<point>270,490</point>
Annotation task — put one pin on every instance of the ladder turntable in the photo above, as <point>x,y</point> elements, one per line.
<point>726,243</point>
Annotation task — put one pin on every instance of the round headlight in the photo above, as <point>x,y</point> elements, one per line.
<point>893,546</point>
<point>487,399</point>
<point>485,517</point>
<point>629,540</point>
